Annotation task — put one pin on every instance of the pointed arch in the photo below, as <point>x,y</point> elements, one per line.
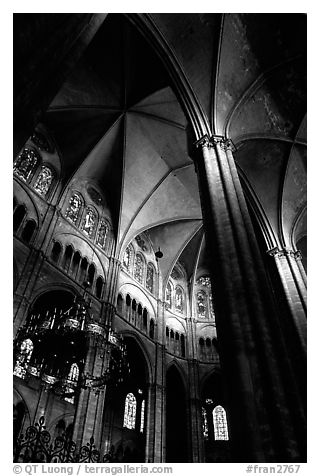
<point>149,366</point>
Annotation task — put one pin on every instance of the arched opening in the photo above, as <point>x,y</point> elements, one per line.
<point>120,304</point>
<point>67,257</point>
<point>75,263</point>
<point>56,252</point>
<point>183,349</point>
<point>91,273</point>
<point>99,286</point>
<point>18,217</point>
<point>134,311</point>
<point>83,271</point>
<point>145,320</point>
<point>139,316</point>
<point>176,418</point>
<point>28,231</point>
<point>214,420</point>
<point>125,413</point>
<point>151,329</point>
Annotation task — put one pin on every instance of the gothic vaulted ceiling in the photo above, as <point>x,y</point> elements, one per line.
<point>117,121</point>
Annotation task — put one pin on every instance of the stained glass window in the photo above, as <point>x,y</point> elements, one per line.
<point>23,359</point>
<point>150,278</point>
<point>169,295</point>
<point>126,260</point>
<point>43,181</point>
<point>138,268</point>
<point>130,409</point>
<point>102,233</point>
<point>179,299</point>
<point>211,306</point>
<point>204,281</point>
<point>89,222</point>
<point>142,416</point>
<point>220,423</point>
<point>74,373</point>
<point>74,208</point>
<point>204,424</point>
<point>25,164</point>
<point>202,304</point>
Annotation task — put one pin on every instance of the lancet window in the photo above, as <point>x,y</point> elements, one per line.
<point>129,419</point>
<point>44,180</point>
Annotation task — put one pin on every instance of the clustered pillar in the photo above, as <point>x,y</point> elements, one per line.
<point>267,421</point>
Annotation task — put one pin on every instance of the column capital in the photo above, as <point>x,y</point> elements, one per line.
<point>222,141</point>
<point>276,252</point>
<point>298,255</point>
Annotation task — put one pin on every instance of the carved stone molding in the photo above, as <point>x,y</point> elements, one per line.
<point>276,252</point>
<point>223,142</point>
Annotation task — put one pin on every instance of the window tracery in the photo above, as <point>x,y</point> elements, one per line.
<point>73,210</point>
<point>89,222</point>
<point>204,281</point>
<point>201,303</point>
<point>220,423</point>
<point>169,295</point>
<point>44,180</point>
<point>150,278</point>
<point>138,268</point>
<point>127,256</point>
<point>23,358</point>
<point>102,233</point>
<point>26,164</point>
<point>74,373</point>
<point>130,409</point>
<point>179,299</point>
<point>204,301</point>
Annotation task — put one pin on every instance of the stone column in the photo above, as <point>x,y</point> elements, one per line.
<point>90,406</point>
<point>88,417</point>
<point>155,424</point>
<point>197,446</point>
<point>294,289</point>
<point>303,275</point>
<point>265,410</point>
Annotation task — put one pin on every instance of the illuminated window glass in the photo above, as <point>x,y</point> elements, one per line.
<point>23,359</point>
<point>102,233</point>
<point>138,268</point>
<point>202,304</point>
<point>89,222</point>
<point>142,416</point>
<point>204,281</point>
<point>205,424</point>
<point>130,409</point>
<point>126,260</point>
<point>169,295</point>
<point>179,299</point>
<point>74,208</point>
<point>74,373</point>
<point>43,181</point>
<point>25,164</point>
<point>211,306</point>
<point>220,423</point>
<point>150,278</point>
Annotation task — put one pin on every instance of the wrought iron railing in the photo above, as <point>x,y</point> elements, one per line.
<point>38,446</point>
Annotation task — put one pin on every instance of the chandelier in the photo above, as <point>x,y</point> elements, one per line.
<point>53,346</point>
